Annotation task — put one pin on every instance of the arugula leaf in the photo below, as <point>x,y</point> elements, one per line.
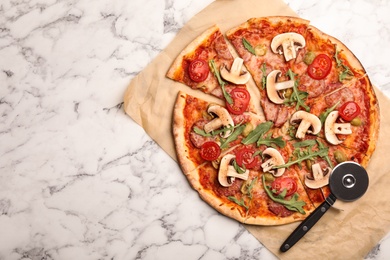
<point>346,73</point>
<point>238,202</point>
<point>248,46</point>
<point>268,141</point>
<point>237,167</point>
<point>233,136</point>
<point>292,131</point>
<point>305,143</point>
<point>297,96</point>
<point>202,132</point>
<point>303,156</point>
<point>325,114</point>
<point>293,204</point>
<point>264,77</point>
<point>215,132</point>
<point>327,159</point>
<point>256,133</point>
<point>250,187</point>
<point>222,83</point>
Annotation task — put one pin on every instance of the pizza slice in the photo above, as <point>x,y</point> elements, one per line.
<point>269,46</point>
<point>207,64</point>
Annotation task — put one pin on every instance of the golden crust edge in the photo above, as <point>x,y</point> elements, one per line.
<point>272,19</point>
<point>178,130</point>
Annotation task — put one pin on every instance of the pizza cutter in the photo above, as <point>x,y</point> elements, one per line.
<point>348,182</point>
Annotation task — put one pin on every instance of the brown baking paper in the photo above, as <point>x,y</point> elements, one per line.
<point>347,234</point>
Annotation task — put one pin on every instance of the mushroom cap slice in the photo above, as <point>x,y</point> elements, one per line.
<point>234,174</point>
<point>236,75</point>
<point>288,44</point>
<point>273,87</point>
<point>276,159</point>
<point>309,123</point>
<point>332,128</point>
<point>223,119</point>
<point>272,93</point>
<point>320,178</point>
<point>224,169</point>
<point>316,184</point>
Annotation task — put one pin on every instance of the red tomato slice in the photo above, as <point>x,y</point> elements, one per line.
<point>279,184</point>
<point>241,99</point>
<point>245,157</point>
<point>349,110</point>
<point>320,67</point>
<point>210,151</point>
<point>198,70</point>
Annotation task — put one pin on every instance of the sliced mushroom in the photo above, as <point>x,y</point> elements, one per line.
<point>273,87</point>
<point>332,128</point>
<point>227,173</point>
<point>236,75</point>
<point>309,123</point>
<point>223,119</point>
<point>288,44</point>
<point>274,160</point>
<point>320,177</point>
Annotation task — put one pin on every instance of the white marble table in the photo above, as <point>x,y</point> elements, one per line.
<point>78,178</point>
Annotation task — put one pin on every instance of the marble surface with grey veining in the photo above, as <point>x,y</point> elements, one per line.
<point>78,178</point>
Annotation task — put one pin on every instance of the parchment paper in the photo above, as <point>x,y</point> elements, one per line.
<point>347,234</point>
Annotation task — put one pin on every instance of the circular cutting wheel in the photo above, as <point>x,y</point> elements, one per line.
<point>348,181</point>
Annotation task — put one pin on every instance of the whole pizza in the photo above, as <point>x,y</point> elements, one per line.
<point>269,164</point>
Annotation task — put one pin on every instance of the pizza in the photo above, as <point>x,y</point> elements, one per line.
<point>270,166</point>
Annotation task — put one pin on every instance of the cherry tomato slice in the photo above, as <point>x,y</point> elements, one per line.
<point>210,151</point>
<point>320,67</point>
<point>349,110</point>
<point>198,70</point>
<point>241,99</point>
<point>245,157</point>
<point>281,183</point>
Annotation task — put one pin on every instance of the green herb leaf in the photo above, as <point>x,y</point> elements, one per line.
<point>248,46</point>
<point>202,132</point>
<point>215,132</point>
<point>297,96</point>
<point>346,73</point>
<point>326,157</point>
<point>222,83</point>
<point>325,114</point>
<point>264,77</point>
<point>305,143</point>
<point>250,188</point>
<point>237,167</point>
<point>256,133</point>
<point>304,155</point>
<point>238,202</point>
<point>233,136</point>
<point>293,204</point>
<point>272,141</point>
<point>247,187</point>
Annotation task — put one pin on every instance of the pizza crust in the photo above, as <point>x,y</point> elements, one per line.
<point>274,20</point>
<point>180,136</point>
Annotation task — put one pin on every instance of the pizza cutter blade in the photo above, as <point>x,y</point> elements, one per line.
<point>348,182</point>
